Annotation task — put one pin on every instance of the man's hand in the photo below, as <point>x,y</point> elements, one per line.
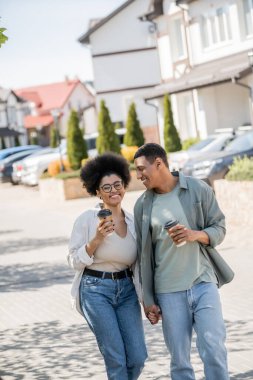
<point>153,313</point>
<point>180,233</point>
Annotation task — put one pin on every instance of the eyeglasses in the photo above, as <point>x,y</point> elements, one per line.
<point>107,188</point>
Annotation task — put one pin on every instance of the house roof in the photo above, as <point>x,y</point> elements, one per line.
<point>49,96</point>
<point>6,92</point>
<point>7,132</point>
<point>85,38</point>
<point>227,69</point>
<point>155,10</point>
<point>31,121</point>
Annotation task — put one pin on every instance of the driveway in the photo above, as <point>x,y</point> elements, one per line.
<point>43,338</point>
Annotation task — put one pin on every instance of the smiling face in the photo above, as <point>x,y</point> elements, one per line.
<point>111,189</point>
<point>148,173</point>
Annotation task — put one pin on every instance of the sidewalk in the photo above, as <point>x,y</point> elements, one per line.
<point>42,338</point>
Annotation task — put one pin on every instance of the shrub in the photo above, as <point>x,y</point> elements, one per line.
<point>134,135</point>
<point>241,170</point>
<point>107,140</point>
<point>76,145</point>
<point>83,162</point>
<point>189,142</point>
<point>128,152</point>
<point>54,167</point>
<point>66,175</point>
<point>54,138</point>
<point>172,141</point>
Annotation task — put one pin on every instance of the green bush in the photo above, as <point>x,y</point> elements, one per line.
<point>54,138</point>
<point>241,170</point>
<point>107,140</point>
<point>172,141</point>
<point>189,142</point>
<point>76,145</point>
<point>134,135</point>
<point>62,175</point>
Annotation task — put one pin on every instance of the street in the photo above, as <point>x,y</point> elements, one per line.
<point>43,338</point>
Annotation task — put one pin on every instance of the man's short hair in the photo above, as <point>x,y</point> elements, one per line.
<point>151,151</point>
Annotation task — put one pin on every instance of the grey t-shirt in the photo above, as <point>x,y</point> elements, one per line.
<point>176,268</point>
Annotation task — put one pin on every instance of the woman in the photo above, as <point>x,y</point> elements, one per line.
<point>103,253</point>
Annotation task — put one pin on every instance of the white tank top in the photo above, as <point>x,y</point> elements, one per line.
<point>115,253</point>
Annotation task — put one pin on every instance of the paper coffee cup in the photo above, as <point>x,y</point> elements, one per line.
<point>171,223</point>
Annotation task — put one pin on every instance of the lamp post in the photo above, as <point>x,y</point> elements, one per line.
<point>56,113</point>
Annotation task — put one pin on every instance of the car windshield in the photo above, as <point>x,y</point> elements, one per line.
<point>218,144</point>
<point>200,145</point>
<point>240,144</point>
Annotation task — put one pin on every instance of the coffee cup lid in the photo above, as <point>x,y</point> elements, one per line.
<point>170,223</point>
<point>104,212</point>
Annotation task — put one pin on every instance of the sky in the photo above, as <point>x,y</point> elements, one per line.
<point>42,46</point>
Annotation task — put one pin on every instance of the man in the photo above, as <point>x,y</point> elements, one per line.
<point>180,283</point>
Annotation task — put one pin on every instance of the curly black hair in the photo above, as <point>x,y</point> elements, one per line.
<point>105,164</point>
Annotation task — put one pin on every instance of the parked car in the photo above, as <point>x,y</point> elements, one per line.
<point>4,153</point>
<point>18,166</point>
<point>213,143</point>
<point>6,164</point>
<point>33,167</point>
<point>210,167</point>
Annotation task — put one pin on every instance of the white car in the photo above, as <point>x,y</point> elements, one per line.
<point>34,166</point>
<point>18,166</point>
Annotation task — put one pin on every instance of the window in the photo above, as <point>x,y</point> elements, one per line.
<point>12,115</point>
<point>177,39</point>
<point>248,16</point>
<point>216,27</point>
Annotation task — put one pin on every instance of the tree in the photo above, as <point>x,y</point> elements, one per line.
<point>3,37</point>
<point>3,143</point>
<point>17,143</point>
<point>107,140</point>
<point>134,135</point>
<point>76,146</point>
<point>54,137</point>
<point>172,141</point>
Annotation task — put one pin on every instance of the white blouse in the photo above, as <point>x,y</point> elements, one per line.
<point>83,231</point>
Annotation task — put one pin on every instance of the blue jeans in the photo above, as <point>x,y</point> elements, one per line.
<point>198,308</point>
<point>113,313</point>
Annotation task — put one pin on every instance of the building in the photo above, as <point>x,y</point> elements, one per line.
<point>204,50</point>
<point>52,103</point>
<point>125,63</point>
<point>12,111</point>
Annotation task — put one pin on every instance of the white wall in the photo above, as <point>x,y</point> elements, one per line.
<point>79,98</point>
<point>225,106</point>
<point>90,120</point>
<point>126,70</point>
<point>119,102</point>
<point>124,31</point>
<point>239,41</point>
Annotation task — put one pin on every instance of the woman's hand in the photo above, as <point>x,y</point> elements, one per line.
<point>153,314</point>
<point>105,227</point>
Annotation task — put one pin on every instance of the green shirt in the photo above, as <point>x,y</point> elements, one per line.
<point>176,268</point>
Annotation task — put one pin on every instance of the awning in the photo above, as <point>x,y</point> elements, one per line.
<point>207,74</point>
<point>38,121</point>
<point>7,132</point>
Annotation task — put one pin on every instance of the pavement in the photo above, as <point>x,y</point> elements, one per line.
<point>43,338</point>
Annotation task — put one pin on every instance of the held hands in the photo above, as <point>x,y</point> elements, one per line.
<point>153,314</point>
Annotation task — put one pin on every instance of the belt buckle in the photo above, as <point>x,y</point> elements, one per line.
<point>113,278</point>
